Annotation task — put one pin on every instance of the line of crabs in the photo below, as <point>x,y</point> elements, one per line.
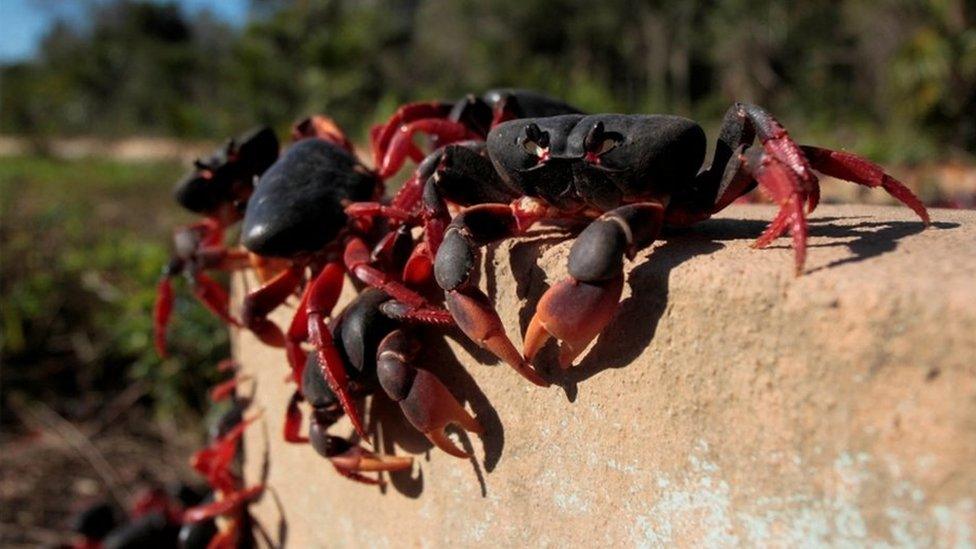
<point>491,167</point>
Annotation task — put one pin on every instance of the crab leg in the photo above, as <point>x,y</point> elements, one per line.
<point>380,136</point>
<point>350,459</point>
<point>446,132</point>
<point>229,503</point>
<point>214,297</point>
<point>322,296</point>
<point>162,311</point>
<point>260,302</point>
<point>297,333</point>
<point>358,260</point>
<point>855,169</point>
<point>577,309</point>
<point>784,170</point>
<point>425,401</point>
<point>226,388</point>
<point>322,127</point>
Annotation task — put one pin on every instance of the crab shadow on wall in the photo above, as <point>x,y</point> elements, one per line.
<point>636,320</point>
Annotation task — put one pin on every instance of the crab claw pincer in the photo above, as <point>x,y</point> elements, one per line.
<point>426,403</point>
<point>573,312</point>
<point>350,459</point>
<point>478,320</point>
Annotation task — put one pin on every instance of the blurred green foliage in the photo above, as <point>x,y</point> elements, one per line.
<point>83,242</point>
<point>895,77</point>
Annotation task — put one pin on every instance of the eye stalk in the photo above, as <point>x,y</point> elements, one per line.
<point>536,142</point>
<point>598,141</point>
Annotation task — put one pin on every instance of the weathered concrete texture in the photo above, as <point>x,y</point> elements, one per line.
<point>728,403</point>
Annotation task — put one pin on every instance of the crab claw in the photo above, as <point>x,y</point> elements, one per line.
<point>478,320</point>
<point>293,420</point>
<point>426,402</point>
<point>350,459</point>
<point>575,313</point>
<point>161,313</point>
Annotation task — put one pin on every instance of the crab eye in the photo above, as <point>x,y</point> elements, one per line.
<point>536,141</point>
<point>599,141</point>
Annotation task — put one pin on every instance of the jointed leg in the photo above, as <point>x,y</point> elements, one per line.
<point>784,170</point>
<point>260,302</point>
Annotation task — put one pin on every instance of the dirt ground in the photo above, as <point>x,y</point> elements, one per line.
<point>55,468</point>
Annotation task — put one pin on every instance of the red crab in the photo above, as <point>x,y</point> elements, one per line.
<point>217,188</point>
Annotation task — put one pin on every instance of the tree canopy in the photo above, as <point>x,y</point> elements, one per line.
<point>902,72</point>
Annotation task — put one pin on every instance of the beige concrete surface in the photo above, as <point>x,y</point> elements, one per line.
<point>728,403</point>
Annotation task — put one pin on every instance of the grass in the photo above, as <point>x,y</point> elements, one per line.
<point>83,242</point>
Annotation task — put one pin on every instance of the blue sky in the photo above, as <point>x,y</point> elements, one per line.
<point>24,22</point>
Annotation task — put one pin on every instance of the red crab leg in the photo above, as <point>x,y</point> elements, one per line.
<point>409,195</point>
<point>380,136</point>
<point>226,538</point>
<point>212,230</point>
<point>446,132</point>
<point>297,333</point>
<point>373,209</point>
<point>357,459</point>
<point>265,299</point>
<point>227,504</point>
<point>419,269</point>
<point>214,297</point>
<point>784,170</point>
<point>357,258</point>
<point>855,169</point>
<point>161,314</point>
<point>220,452</point>
<point>322,297</point>
<point>781,183</point>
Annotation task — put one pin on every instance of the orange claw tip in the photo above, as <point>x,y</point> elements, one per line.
<point>362,460</point>
<point>477,318</point>
<point>440,439</point>
<point>502,347</point>
<point>574,313</point>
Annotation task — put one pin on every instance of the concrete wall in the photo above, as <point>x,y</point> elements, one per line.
<point>728,403</point>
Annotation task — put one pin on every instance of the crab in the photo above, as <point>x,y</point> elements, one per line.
<point>218,188</point>
<point>296,213</point>
<point>627,177</point>
<point>379,354</point>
